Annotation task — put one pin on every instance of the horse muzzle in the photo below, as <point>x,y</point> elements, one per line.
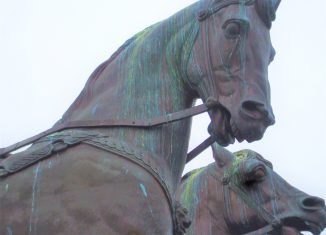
<point>255,110</point>
<point>250,121</point>
<point>311,216</point>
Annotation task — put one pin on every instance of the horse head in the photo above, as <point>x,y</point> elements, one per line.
<point>257,198</point>
<point>229,62</point>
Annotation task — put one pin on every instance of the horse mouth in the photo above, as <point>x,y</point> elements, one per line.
<point>254,133</point>
<point>235,131</point>
<point>314,228</point>
<point>300,225</point>
<point>227,130</point>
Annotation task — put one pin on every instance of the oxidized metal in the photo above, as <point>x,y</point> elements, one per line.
<point>86,189</point>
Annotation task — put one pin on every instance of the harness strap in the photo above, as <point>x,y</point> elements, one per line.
<point>172,117</point>
<point>59,142</point>
<point>200,148</point>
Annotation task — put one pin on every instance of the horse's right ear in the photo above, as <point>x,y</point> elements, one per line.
<point>222,156</point>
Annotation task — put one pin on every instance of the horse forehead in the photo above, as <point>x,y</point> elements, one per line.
<point>250,154</point>
<point>246,13</point>
<point>264,9</point>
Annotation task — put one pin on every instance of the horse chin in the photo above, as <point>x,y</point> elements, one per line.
<point>226,128</point>
<point>251,131</point>
<point>291,231</point>
<point>300,225</point>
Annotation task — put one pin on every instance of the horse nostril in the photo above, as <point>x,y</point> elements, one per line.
<point>254,109</point>
<point>258,111</point>
<point>313,203</point>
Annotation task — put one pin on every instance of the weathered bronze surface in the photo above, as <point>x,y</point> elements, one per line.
<point>241,194</point>
<point>121,179</point>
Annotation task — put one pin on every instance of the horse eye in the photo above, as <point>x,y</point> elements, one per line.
<point>259,172</point>
<point>232,30</point>
<point>255,174</point>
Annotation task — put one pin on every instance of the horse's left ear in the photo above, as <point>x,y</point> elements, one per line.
<point>267,10</point>
<point>222,156</point>
<point>276,4</point>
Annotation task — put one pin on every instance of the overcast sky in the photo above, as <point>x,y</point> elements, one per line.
<point>49,48</point>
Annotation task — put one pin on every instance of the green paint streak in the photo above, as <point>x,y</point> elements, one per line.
<point>232,172</point>
<point>146,80</point>
<point>189,195</point>
<point>153,83</point>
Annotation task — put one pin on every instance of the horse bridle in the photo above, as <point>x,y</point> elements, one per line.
<point>273,222</point>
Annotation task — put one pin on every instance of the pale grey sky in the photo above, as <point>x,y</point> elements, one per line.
<point>49,48</point>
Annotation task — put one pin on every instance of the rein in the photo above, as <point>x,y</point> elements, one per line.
<point>157,121</point>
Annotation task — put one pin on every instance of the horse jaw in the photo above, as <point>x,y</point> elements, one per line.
<point>302,225</point>
<point>290,231</point>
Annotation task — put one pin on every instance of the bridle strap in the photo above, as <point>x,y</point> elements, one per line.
<point>272,221</point>
<point>268,217</point>
<point>165,119</point>
<point>262,231</point>
<point>204,14</point>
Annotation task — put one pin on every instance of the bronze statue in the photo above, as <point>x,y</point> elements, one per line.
<point>112,164</point>
<point>241,194</point>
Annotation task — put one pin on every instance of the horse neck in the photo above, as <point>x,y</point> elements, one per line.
<point>141,81</point>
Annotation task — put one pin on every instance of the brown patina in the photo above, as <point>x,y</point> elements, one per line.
<point>91,175</point>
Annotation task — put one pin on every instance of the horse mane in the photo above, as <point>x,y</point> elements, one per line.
<point>194,172</point>
<point>170,25</point>
<point>169,39</point>
<point>128,42</point>
<point>265,9</point>
<point>120,49</point>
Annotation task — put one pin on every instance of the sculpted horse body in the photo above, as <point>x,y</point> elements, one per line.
<point>241,194</point>
<point>120,178</point>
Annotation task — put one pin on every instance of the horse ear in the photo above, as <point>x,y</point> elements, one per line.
<point>222,156</point>
<point>276,3</point>
<point>267,10</point>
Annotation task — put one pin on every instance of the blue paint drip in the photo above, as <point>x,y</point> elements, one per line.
<point>50,164</point>
<point>9,230</point>
<point>143,189</point>
<point>34,192</point>
<point>94,110</point>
